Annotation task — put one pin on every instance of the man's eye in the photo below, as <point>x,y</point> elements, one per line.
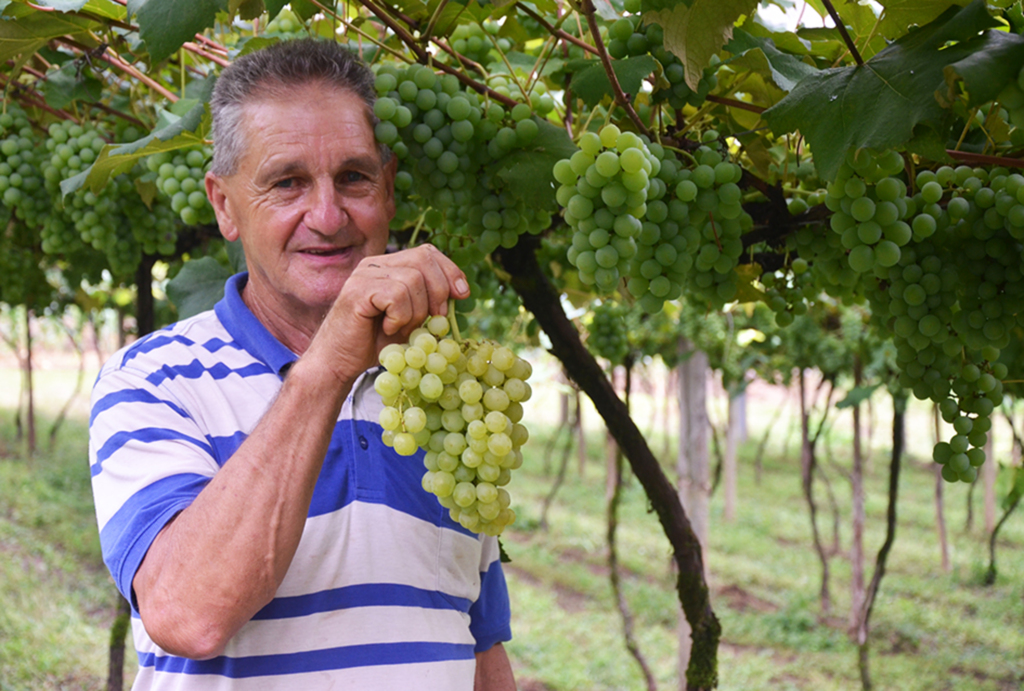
<point>351,176</point>
<point>287,183</point>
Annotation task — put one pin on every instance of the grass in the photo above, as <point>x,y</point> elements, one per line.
<point>930,629</point>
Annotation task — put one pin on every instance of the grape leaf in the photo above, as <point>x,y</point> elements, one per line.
<point>274,7</point>
<point>527,172</point>
<point>66,85</point>
<point>198,286</point>
<point>695,33</point>
<point>62,5</point>
<point>897,15</point>
<point>857,396</point>
<point>114,159</point>
<point>878,104</point>
<point>30,30</point>
<point>164,25</point>
<point>784,69</point>
<point>591,81</point>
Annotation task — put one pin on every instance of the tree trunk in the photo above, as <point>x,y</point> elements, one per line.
<point>118,632</point>
<point>30,399</point>
<point>145,323</point>
<point>940,513</point>
<point>540,297</point>
<point>729,466</point>
<point>581,437</point>
<point>988,474</point>
<point>738,415</point>
<point>807,464</point>
<point>692,463</point>
<point>857,508</point>
<point>899,403</point>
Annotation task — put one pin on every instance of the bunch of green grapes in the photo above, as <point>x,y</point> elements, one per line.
<point>629,37</point>
<point>607,333</point>
<point>181,179</point>
<point>285,26</point>
<point>460,402</point>
<point>96,216</point>
<point>21,185</point>
<point>604,190</point>
<point>716,222</point>
<point>954,299</point>
<point>869,204</point>
<point>786,294</point>
<point>446,139</point>
<point>476,41</point>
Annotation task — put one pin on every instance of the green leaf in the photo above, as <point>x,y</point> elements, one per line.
<point>785,70</point>
<point>164,25</point>
<point>274,7</point>
<point>66,85</point>
<point>877,105</point>
<point>198,286</point>
<point>527,172</point>
<point>251,45</point>
<point>987,71</point>
<point>695,33</point>
<point>62,5</point>
<point>898,15</point>
<point>115,159</point>
<point>31,30</point>
<point>106,9</point>
<point>857,396</point>
<point>592,84</point>
<point>246,9</point>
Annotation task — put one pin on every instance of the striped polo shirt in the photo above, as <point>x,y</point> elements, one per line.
<point>385,591</point>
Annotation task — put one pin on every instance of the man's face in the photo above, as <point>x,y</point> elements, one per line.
<point>309,199</point>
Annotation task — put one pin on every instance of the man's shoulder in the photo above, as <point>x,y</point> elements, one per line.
<point>198,339</point>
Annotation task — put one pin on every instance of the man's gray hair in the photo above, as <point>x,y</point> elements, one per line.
<point>271,72</point>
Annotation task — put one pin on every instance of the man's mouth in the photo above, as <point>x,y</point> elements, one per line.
<point>325,251</point>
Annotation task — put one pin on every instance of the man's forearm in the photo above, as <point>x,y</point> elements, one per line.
<point>223,558</point>
<point>494,671</point>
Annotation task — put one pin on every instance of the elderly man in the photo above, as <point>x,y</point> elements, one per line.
<point>264,535</point>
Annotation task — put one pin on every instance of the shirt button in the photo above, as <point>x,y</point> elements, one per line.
<point>363,443</point>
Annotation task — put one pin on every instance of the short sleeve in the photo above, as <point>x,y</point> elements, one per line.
<point>490,615</point>
<point>148,461</point>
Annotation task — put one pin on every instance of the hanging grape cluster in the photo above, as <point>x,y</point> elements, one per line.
<point>461,402</point>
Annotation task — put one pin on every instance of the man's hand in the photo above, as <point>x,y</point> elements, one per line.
<point>383,301</point>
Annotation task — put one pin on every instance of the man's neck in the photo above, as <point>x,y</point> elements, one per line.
<point>293,327</point>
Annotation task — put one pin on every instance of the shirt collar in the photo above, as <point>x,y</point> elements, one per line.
<point>248,331</point>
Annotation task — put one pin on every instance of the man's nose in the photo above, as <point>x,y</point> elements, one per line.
<point>326,214</point>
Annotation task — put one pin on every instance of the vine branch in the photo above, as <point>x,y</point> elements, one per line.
<point>606,61</point>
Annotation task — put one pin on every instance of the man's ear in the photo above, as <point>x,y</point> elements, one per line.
<point>221,207</point>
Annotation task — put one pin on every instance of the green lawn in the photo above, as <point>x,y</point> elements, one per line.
<point>931,630</point>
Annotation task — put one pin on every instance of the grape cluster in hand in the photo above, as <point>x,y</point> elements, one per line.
<point>461,402</point>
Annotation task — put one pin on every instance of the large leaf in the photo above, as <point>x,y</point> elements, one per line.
<point>32,29</point>
<point>198,286</point>
<point>694,33</point>
<point>527,172</point>
<point>114,159</point>
<point>165,25</point>
<point>591,81</point>
<point>785,70</point>
<point>878,104</point>
<point>67,85</point>
<point>898,15</point>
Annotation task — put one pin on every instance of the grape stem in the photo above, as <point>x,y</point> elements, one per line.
<point>453,322</point>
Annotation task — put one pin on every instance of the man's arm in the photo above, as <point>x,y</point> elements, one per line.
<point>222,559</point>
<point>494,671</point>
